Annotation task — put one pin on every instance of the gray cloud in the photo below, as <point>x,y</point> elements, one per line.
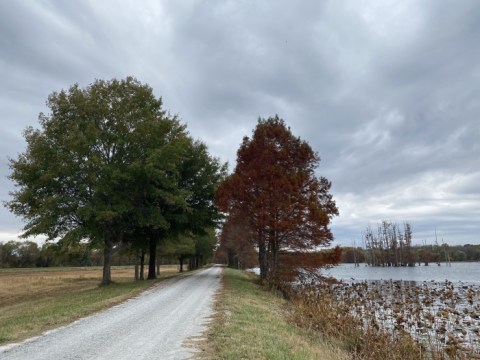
<point>386,92</point>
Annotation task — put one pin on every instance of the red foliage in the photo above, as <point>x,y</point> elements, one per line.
<point>304,266</point>
<point>274,187</point>
<point>236,246</point>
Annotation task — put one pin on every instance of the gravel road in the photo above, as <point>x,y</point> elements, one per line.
<point>152,326</point>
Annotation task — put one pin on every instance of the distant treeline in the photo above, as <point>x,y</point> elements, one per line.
<point>422,255</point>
<point>25,254</point>
<point>390,244</point>
<point>16,254</point>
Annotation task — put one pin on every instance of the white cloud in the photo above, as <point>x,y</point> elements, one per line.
<point>430,200</point>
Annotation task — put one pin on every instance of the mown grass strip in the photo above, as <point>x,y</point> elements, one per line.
<point>33,301</point>
<point>250,323</point>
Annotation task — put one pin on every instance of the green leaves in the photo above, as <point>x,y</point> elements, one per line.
<point>108,161</point>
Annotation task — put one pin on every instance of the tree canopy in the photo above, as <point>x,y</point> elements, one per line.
<point>285,206</point>
<point>108,161</point>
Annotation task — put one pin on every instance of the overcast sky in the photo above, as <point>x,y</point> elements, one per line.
<point>387,92</point>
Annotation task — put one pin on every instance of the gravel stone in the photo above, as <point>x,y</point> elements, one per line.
<point>153,325</point>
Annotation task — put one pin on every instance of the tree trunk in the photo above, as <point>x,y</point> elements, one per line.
<point>107,260</point>
<point>137,264</point>
<point>180,258</point>
<point>142,265</point>
<point>262,260</point>
<point>153,256</point>
<point>231,258</point>
<point>158,265</point>
<point>273,275</point>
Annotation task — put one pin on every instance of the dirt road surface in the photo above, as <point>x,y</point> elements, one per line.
<point>154,325</point>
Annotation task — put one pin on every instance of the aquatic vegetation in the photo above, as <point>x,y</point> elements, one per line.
<point>363,340</point>
<point>442,316</point>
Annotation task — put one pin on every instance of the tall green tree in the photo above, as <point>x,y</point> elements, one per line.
<point>174,193</point>
<point>74,181</point>
<point>181,247</point>
<point>204,248</point>
<point>288,207</point>
<point>158,201</point>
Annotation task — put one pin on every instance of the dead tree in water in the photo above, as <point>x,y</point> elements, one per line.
<point>389,246</point>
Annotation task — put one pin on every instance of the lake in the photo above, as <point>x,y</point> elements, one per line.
<point>434,304</point>
<point>466,272</point>
<point>438,306</point>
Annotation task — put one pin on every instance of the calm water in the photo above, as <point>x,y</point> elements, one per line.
<point>464,272</point>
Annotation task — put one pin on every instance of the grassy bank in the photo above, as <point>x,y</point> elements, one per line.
<point>251,323</point>
<point>36,300</point>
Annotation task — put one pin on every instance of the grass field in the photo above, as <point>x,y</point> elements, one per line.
<point>250,323</point>
<point>36,300</point>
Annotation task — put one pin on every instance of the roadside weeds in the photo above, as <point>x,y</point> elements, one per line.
<point>250,322</point>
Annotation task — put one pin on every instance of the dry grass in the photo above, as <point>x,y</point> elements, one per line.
<point>35,300</point>
<point>250,323</point>
<point>254,323</point>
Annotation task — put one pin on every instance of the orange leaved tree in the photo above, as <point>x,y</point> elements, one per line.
<point>236,247</point>
<point>288,208</point>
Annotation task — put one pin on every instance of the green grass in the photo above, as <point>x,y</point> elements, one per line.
<point>251,323</point>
